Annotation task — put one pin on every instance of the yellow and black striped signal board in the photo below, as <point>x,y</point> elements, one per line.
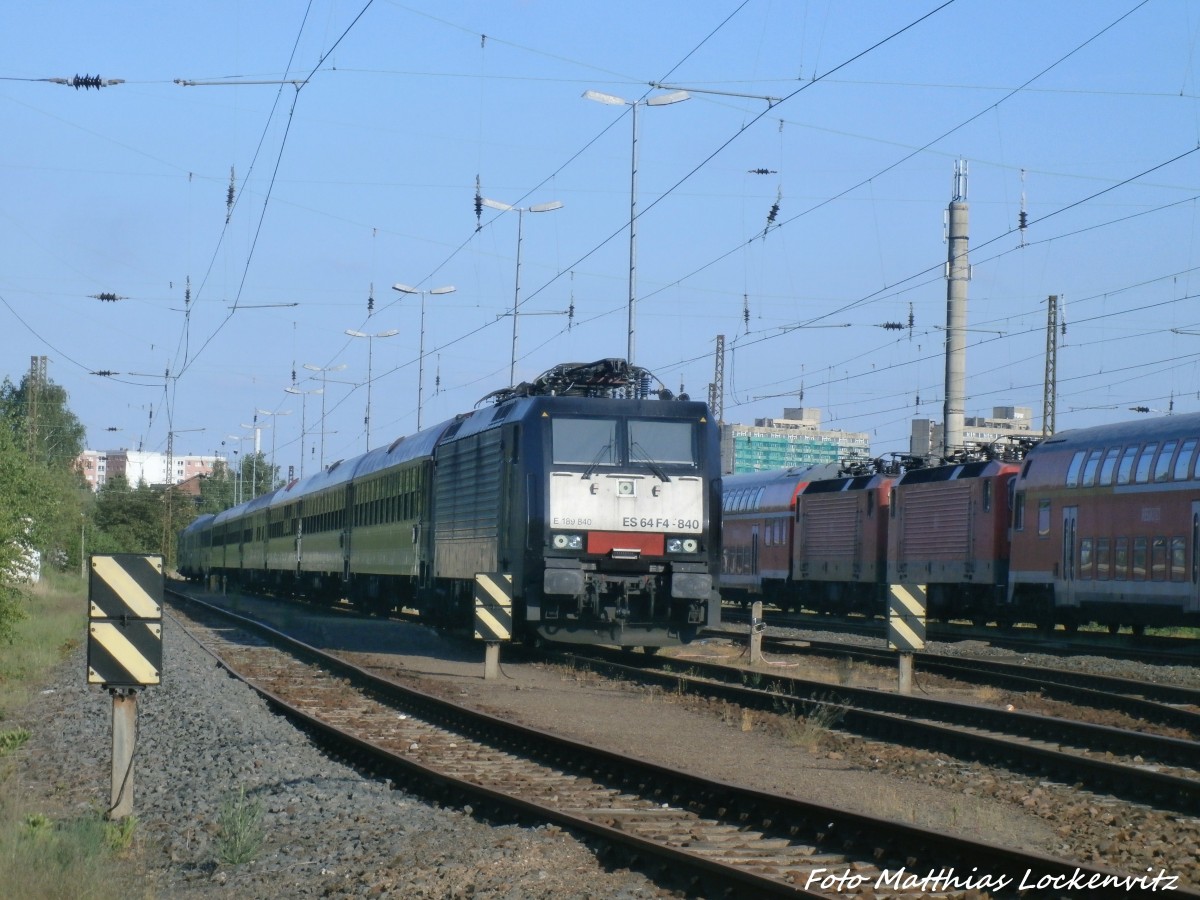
<point>493,606</point>
<point>125,593</point>
<point>906,617</point>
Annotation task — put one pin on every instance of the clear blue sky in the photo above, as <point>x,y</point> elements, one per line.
<point>365,176</point>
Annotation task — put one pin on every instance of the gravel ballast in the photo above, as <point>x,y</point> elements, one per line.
<point>329,831</point>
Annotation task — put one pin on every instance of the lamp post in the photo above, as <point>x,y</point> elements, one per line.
<point>406,289</point>
<point>237,475</point>
<point>257,429</point>
<point>370,350</point>
<point>520,210</point>
<point>612,100</point>
<point>323,370</point>
<point>303,418</point>
<point>279,412</point>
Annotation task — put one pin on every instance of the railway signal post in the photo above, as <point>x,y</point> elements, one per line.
<point>906,627</point>
<point>125,593</point>
<point>493,617</point>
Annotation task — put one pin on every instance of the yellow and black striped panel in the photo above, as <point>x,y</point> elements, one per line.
<point>906,617</point>
<point>126,585</point>
<point>493,606</point>
<point>124,653</point>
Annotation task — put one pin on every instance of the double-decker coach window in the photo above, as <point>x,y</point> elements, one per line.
<point>1109,465</point>
<point>1075,468</point>
<point>1183,462</point>
<point>1162,466</point>
<point>1142,473</point>
<point>1126,467</point>
<point>585,441</point>
<point>662,442</point>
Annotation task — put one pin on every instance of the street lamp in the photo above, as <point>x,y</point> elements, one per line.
<point>521,210</point>
<point>406,289</point>
<point>370,349</point>
<point>237,475</point>
<point>612,100</point>
<point>280,412</point>
<point>323,370</point>
<point>303,418</point>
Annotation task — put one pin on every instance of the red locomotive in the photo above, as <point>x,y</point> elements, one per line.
<point>1093,525</point>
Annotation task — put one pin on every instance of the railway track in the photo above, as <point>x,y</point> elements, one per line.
<point>1131,765</point>
<point>710,838</point>
<point>1145,649</point>
<point>1168,705</point>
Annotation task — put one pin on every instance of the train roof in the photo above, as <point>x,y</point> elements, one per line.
<point>401,450</point>
<point>779,486</point>
<point>204,520</point>
<point>957,471</point>
<point>1129,432</point>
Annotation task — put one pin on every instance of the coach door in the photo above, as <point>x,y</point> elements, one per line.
<point>754,550</point>
<point>1070,557</point>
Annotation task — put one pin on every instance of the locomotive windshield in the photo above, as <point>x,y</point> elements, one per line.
<point>599,442</point>
<point>662,442</point>
<point>586,441</point>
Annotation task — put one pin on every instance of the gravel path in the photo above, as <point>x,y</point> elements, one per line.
<point>330,832</point>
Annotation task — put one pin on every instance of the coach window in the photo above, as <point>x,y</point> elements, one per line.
<point>1142,474</point>
<point>1090,467</point>
<point>1158,559</point>
<point>1121,559</point>
<point>1103,559</point>
<point>1162,467</point>
<point>1108,466</point>
<point>1178,559</point>
<point>1183,462</point>
<point>1126,467</point>
<point>1043,518</point>
<point>1139,559</point>
<point>1019,510</point>
<point>987,495</point>
<point>1075,468</point>
<point>1085,559</point>
<point>589,442</point>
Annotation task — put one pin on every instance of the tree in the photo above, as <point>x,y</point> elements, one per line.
<point>49,430</point>
<point>18,506</point>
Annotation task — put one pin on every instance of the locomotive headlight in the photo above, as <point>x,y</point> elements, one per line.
<point>625,488</point>
<point>682,545</point>
<point>690,545</point>
<point>567,541</point>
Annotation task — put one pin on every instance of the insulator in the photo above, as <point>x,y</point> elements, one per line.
<point>773,213</point>
<point>761,171</point>
<point>86,82</point>
<point>370,303</point>
<point>1023,220</point>
<point>892,326</point>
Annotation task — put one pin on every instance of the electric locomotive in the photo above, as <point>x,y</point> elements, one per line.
<point>599,504</point>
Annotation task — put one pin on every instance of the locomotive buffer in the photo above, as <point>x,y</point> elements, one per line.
<point>124,651</point>
<point>906,627</point>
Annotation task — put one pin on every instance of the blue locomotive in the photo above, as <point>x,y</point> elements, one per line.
<point>602,504</point>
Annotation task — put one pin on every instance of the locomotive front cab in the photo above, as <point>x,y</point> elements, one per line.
<point>628,545</point>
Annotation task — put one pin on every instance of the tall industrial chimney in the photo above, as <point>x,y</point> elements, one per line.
<point>958,273</point>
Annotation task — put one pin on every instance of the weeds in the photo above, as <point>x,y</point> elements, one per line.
<point>118,835</point>
<point>11,740</point>
<point>240,829</point>
<point>810,729</point>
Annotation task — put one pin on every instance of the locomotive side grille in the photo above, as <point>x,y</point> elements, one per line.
<point>935,523</point>
<point>830,527</point>
<point>467,500</point>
